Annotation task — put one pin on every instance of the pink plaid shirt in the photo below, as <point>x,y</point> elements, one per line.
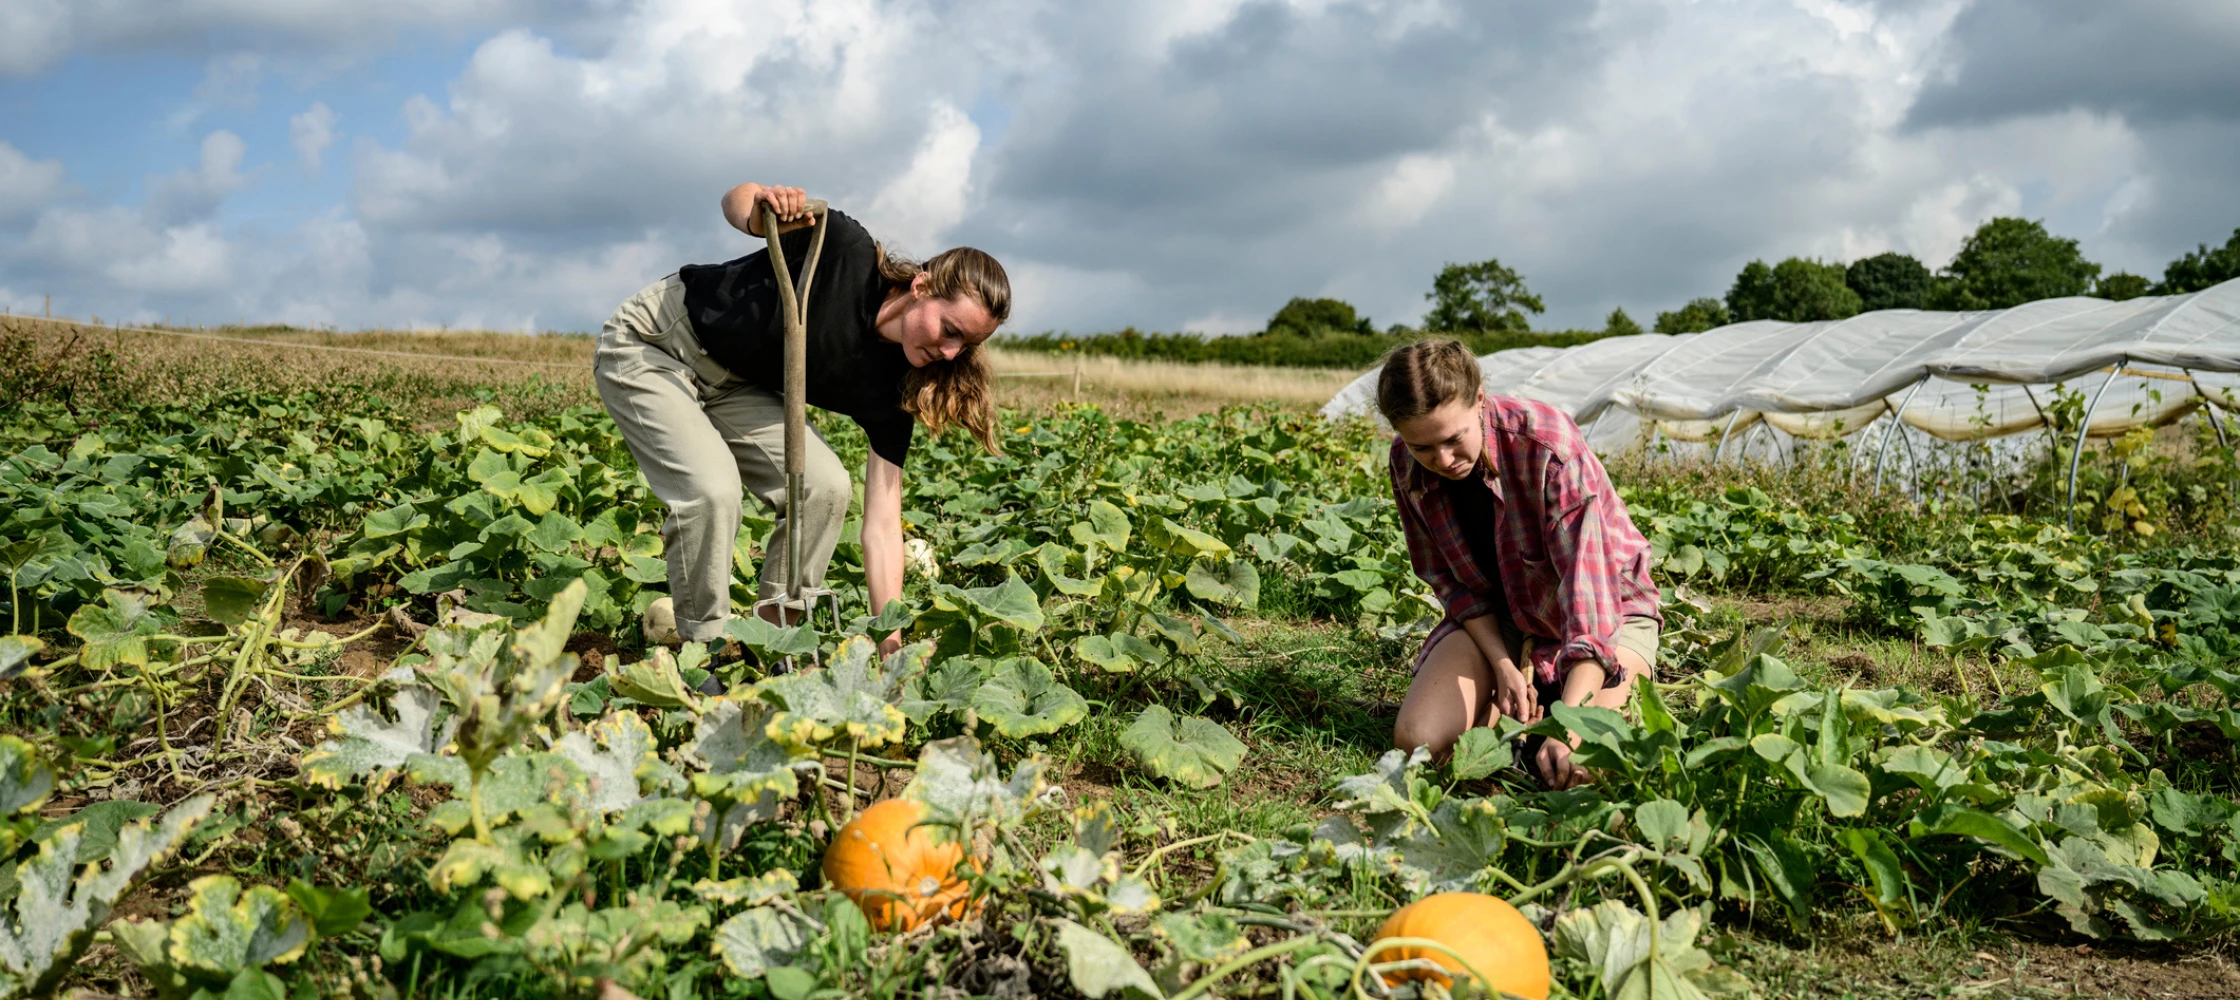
<point>1573,566</point>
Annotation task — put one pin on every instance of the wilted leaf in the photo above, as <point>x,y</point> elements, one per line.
<point>1099,966</point>
<point>25,779</point>
<point>1465,838</point>
<point>1185,542</point>
<point>1120,652</point>
<point>654,680</point>
<point>1193,750</point>
<point>233,599</point>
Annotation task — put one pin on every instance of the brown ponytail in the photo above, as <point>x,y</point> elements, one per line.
<point>962,389</point>
<point>1424,376</point>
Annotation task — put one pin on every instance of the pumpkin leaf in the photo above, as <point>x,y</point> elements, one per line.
<point>363,743</point>
<point>852,696</point>
<point>115,631</point>
<point>731,743</point>
<point>949,687</point>
<point>25,780</point>
<point>1193,750</point>
<point>655,680</point>
<point>1185,542</point>
<point>757,940</point>
<point>612,753</point>
<point>1465,838</point>
<point>1023,699</point>
<point>228,929</point>
<point>233,599</point>
<point>1479,753</point>
<point>1120,652</point>
<point>1011,602</point>
<point>333,912</point>
<point>959,784</point>
<point>16,652</point>
<point>52,917</point>
<point>1051,560</point>
<point>1234,583</point>
<point>1107,527</point>
<point>1098,966</point>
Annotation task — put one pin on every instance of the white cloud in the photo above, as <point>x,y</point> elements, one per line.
<point>194,194</point>
<point>1169,164</point>
<point>915,209</point>
<point>26,185</point>
<point>311,132</point>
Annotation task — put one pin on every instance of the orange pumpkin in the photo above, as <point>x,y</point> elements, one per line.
<point>900,873</point>
<point>1490,933</point>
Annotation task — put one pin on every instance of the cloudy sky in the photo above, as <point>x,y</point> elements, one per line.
<point>1167,164</point>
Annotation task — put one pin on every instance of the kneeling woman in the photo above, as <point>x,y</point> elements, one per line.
<point>693,367</point>
<point>1512,520</point>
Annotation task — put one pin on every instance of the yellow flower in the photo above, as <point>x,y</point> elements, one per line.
<point>1027,428</point>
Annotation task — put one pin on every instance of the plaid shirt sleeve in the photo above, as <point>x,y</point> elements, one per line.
<point>1430,553</point>
<point>1580,497</point>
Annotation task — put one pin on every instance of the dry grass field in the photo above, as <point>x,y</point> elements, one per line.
<point>441,372</point>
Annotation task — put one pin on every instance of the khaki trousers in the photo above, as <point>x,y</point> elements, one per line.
<point>703,437</point>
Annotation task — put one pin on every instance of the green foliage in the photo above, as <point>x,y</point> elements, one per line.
<point>1302,317</point>
<point>2202,268</point>
<point>1889,280</point>
<point>2120,286</point>
<point>2007,262</point>
<point>1695,317</point>
<point>1796,290</point>
<point>1480,297</point>
<point>1190,749</point>
<point>1281,349</point>
<point>1620,325</point>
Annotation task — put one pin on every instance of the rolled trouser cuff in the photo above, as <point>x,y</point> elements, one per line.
<point>703,631</point>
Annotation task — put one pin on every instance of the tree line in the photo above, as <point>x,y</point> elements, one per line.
<point>1488,306</point>
<point>2005,262</point>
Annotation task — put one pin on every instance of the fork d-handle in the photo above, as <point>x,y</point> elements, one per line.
<point>793,304</point>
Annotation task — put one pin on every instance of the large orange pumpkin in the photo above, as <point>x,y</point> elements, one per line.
<point>1487,931</point>
<point>898,872</point>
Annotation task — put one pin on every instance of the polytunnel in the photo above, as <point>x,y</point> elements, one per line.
<point>1993,380</point>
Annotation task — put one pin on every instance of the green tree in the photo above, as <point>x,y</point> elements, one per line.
<point>2204,267</point>
<point>1797,290</point>
<point>1695,317</point>
<point>1620,325</point>
<point>2008,262</point>
<point>1751,296</point>
<point>1480,297</point>
<point>1889,281</point>
<point>1308,317</point>
<point>2120,286</point>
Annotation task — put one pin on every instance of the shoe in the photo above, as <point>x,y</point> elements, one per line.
<point>659,624</point>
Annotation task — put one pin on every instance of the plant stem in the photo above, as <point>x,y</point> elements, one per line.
<point>1255,956</point>
<point>474,806</point>
<point>855,748</point>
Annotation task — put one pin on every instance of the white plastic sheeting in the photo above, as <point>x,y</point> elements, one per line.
<point>1966,376</point>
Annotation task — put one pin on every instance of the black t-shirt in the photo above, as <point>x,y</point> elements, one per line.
<point>735,314</point>
<point>1474,511</point>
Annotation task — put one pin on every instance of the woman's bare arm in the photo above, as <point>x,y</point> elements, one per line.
<point>739,207</point>
<point>882,536</point>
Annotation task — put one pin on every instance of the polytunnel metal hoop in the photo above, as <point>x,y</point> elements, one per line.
<point>1897,424</point>
<point>1721,450</point>
<point>2076,454</point>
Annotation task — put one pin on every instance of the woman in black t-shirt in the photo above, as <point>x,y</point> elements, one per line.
<point>692,370</point>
